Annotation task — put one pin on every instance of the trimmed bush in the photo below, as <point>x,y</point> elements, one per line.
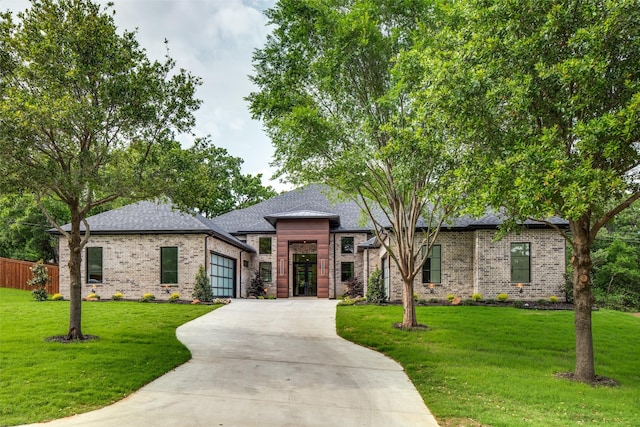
<point>202,289</point>
<point>175,297</point>
<point>354,288</point>
<point>57,297</point>
<point>375,288</point>
<point>39,281</point>
<point>117,296</point>
<point>503,297</point>
<point>476,297</point>
<point>148,297</point>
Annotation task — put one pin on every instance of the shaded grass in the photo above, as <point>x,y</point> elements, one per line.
<point>496,366</point>
<point>42,380</point>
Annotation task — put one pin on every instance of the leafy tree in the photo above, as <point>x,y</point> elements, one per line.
<point>23,230</point>
<point>616,271</point>
<point>375,288</point>
<point>545,94</point>
<point>84,116</point>
<point>210,180</point>
<point>337,114</point>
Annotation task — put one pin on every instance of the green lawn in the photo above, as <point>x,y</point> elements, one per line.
<point>495,366</point>
<point>42,380</point>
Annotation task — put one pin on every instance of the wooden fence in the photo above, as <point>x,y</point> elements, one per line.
<point>15,274</point>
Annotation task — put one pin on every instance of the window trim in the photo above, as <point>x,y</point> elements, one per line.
<point>164,272</point>
<point>427,267</point>
<point>260,239</point>
<point>342,270</point>
<point>342,245</point>
<point>527,246</point>
<point>262,264</point>
<point>87,269</point>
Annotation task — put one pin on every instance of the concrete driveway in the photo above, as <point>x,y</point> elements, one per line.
<point>270,363</point>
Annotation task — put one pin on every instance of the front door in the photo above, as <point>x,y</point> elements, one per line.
<point>305,279</point>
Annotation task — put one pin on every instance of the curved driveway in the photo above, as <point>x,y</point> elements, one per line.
<point>270,363</point>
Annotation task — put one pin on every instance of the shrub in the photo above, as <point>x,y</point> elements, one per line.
<point>57,297</point>
<point>553,299</point>
<point>415,297</point>
<point>271,297</point>
<point>468,302</point>
<point>476,297</point>
<point>503,297</point>
<point>375,288</point>
<point>117,296</point>
<point>223,301</point>
<point>93,296</point>
<point>351,301</point>
<point>451,297</point>
<point>39,281</point>
<point>433,300</point>
<point>175,297</point>
<point>148,297</point>
<point>202,288</point>
<point>518,304</point>
<point>354,288</point>
<point>256,286</point>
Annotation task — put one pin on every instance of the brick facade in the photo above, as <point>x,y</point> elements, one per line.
<point>472,262</point>
<point>131,264</point>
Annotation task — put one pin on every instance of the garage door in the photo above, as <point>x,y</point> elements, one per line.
<point>223,274</point>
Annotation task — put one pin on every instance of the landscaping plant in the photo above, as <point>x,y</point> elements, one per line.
<point>202,289</point>
<point>39,281</point>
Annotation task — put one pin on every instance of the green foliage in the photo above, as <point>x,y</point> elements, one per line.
<point>338,112</point>
<point>39,281</point>
<point>502,297</point>
<point>617,272</point>
<point>118,296</point>
<point>476,297</point>
<point>553,299</point>
<point>174,297</point>
<point>495,366</point>
<point>450,297</point>
<point>93,297</point>
<point>137,345</point>
<point>148,297</point>
<point>210,180</point>
<point>375,288</point>
<point>256,286</point>
<point>518,304</point>
<point>57,297</point>
<point>86,116</point>
<point>202,288</point>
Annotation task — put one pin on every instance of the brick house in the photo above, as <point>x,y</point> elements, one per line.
<point>304,245</point>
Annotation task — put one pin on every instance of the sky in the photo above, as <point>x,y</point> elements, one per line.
<point>214,40</point>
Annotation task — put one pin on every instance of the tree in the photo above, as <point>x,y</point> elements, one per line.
<point>202,288</point>
<point>23,230</point>
<point>546,96</point>
<point>616,272</point>
<point>84,116</point>
<point>210,180</point>
<point>337,114</point>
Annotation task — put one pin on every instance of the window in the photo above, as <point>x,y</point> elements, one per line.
<point>94,265</point>
<point>264,246</point>
<point>432,267</point>
<point>265,271</point>
<point>346,245</point>
<point>222,274</point>
<point>169,265</point>
<point>347,271</point>
<point>520,262</point>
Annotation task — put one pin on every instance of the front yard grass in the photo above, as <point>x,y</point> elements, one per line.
<point>495,366</point>
<point>42,380</point>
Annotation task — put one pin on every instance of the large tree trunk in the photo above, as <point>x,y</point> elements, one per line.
<point>409,318</point>
<point>583,299</point>
<point>75,261</point>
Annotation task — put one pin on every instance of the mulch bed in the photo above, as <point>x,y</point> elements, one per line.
<point>599,381</point>
<point>63,339</point>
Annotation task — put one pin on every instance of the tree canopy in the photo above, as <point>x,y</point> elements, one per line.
<point>545,96</point>
<point>337,113</point>
<point>84,115</point>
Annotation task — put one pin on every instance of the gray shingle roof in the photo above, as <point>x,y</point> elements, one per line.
<point>317,198</point>
<point>312,198</point>
<point>155,218</point>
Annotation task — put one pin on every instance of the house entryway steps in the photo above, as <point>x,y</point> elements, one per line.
<point>270,363</point>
